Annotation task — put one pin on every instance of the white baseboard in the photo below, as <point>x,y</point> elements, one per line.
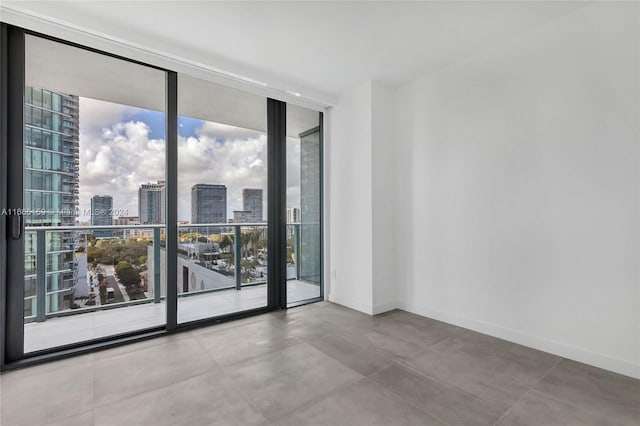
<point>364,308</point>
<point>628,368</point>
<point>384,307</point>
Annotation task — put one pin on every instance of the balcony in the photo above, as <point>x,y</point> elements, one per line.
<point>207,252</point>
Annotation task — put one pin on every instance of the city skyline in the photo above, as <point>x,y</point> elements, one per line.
<point>102,207</point>
<point>123,147</point>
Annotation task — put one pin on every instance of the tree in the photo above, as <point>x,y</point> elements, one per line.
<point>113,251</point>
<point>127,274</point>
<point>257,240</point>
<point>225,241</point>
<point>93,253</point>
<point>102,288</point>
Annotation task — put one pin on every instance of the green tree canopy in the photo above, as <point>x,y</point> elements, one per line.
<point>127,274</point>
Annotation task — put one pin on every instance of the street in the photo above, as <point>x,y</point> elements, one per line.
<point>117,294</point>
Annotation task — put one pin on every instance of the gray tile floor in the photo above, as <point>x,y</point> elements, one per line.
<point>320,364</point>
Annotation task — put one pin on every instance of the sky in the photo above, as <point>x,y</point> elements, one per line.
<point>123,147</point>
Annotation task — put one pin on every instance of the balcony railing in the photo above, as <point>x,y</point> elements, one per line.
<point>240,250</point>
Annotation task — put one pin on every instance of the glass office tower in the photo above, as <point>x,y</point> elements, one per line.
<point>102,215</point>
<point>51,192</point>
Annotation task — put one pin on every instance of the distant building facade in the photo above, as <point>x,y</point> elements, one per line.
<point>242,216</point>
<point>130,232</point>
<point>151,203</point>
<point>51,186</point>
<point>252,202</point>
<point>102,215</point>
<point>209,204</point>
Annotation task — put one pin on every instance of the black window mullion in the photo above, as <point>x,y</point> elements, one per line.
<point>321,171</point>
<point>277,199</point>
<point>171,200</point>
<point>13,130</point>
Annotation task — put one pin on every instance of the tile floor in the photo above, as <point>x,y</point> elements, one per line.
<point>319,364</point>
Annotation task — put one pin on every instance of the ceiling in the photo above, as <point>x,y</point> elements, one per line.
<point>320,47</point>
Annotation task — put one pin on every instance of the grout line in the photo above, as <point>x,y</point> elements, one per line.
<point>330,334</point>
<point>296,341</point>
<point>199,343</point>
<point>181,379</point>
<point>321,396</point>
<point>426,376</point>
<point>416,406</point>
<point>318,399</point>
<point>236,386</point>
<point>383,368</point>
<point>529,390</point>
<point>153,389</point>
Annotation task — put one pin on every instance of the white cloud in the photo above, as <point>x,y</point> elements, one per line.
<point>117,156</point>
<point>235,163</point>
<point>117,161</point>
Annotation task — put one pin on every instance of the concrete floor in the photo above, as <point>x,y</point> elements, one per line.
<point>320,364</point>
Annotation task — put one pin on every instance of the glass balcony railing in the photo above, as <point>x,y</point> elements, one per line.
<point>225,257</point>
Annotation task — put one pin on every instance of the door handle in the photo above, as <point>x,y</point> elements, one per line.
<point>15,226</point>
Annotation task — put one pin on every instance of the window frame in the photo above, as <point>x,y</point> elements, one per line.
<point>12,127</point>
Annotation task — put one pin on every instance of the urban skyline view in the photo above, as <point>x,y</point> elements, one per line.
<point>122,147</point>
<point>91,165</point>
<point>208,205</point>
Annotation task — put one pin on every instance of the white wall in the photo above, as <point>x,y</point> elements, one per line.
<point>360,170</point>
<point>518,189</point>
<point>350,166</point>
<point>383,189</point>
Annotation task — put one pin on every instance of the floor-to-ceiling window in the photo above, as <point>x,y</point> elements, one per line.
<point>304,204</point>
<point>94,172</point>
<point>141,200</point>
<point>222,200</point>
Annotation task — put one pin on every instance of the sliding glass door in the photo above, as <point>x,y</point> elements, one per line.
<point>222,200</point>
<point>139,201</point>
<point>93,209</point>
<point>304,205</point>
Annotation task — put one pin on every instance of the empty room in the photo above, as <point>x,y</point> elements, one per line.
<point>324,213</point>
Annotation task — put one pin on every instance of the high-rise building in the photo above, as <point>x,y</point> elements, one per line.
<point>51,158</point>
<point>242,216</point>
<point>252,201</point>
<point>151,203</point>
<point>208,203</point>
<point>102,215</point>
